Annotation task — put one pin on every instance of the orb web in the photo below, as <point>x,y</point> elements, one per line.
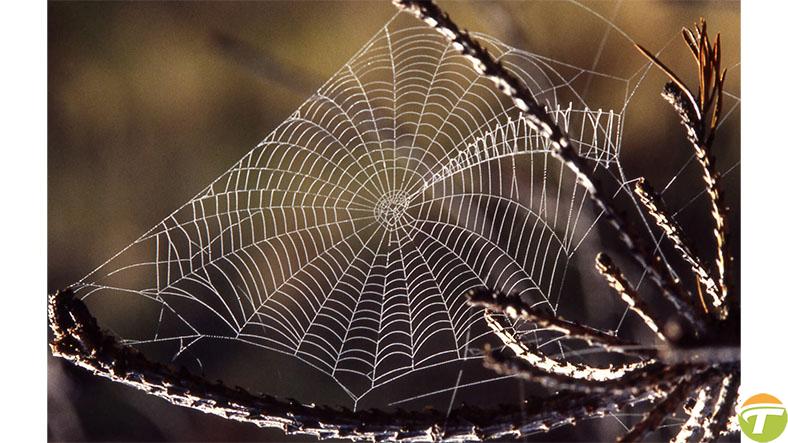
<point>347,238</point>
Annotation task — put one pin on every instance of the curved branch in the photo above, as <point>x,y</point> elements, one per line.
<point>563,368</point>
<point>515,308</point>
<point>78,338</point>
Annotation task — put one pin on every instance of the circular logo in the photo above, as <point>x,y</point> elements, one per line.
<point>763,417</point>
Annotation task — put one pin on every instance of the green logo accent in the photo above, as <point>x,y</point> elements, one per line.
<point>763,422</point>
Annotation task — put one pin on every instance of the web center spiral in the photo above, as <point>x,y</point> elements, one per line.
<point>390,209</point>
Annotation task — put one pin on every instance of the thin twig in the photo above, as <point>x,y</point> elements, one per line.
<point>711,179</point>
<point>655,377</point>
<point>616,280</point>
<point>543,362</point>
<point>722,421</point>
<point>656,208</point>
<point>675,78</point>
<point>513,306</point>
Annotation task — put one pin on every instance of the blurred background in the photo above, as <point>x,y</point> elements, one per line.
<point>149,102</point>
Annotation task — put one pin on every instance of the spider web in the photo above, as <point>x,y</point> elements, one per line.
<point>347,238</point>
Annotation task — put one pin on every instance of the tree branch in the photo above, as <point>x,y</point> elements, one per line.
<point>77,338</point>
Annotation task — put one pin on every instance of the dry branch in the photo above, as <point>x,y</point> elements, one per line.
<point>723,420</point>
<point>513,306</point>
<point>78,338</point>
<point>697,425</point>
<point>656,377</point>
<point>539,360</point>
<point>616,280</point>
<point>656,208</point>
